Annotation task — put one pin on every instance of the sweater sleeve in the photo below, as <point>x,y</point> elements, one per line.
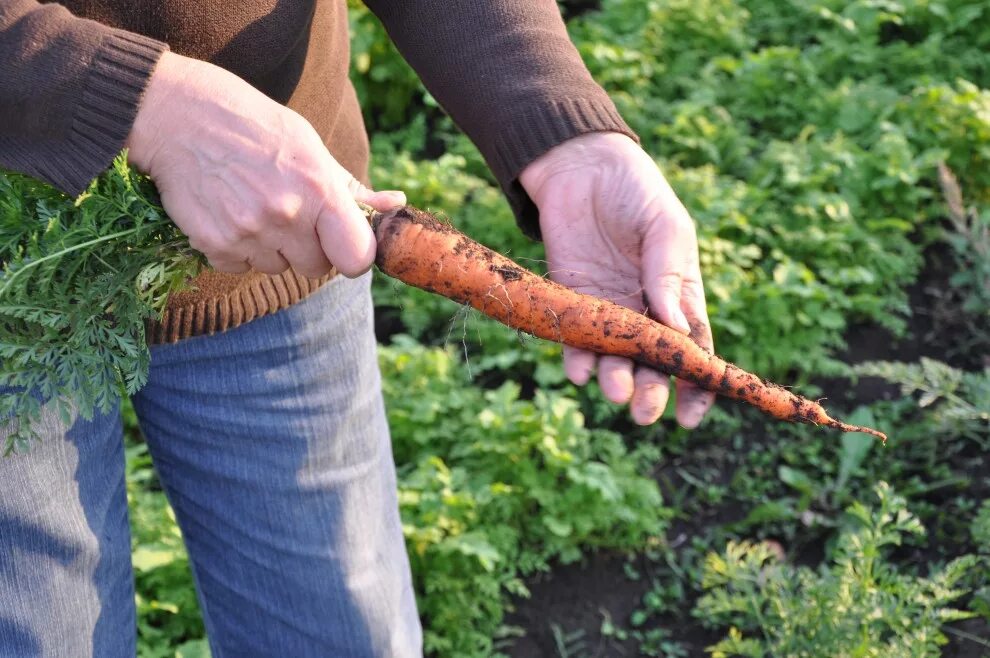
<point>508,74</point>
<point>69,91</point>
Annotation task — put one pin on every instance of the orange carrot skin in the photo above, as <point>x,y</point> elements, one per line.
<point>418,249</point>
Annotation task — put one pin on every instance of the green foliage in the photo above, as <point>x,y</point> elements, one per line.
<point>569,645</point>
<point>981,528</point>
<point>803,137</point>
<point>861,604</point>
<point>79,278</point>
<point>169,620</point>
<point>389,91</point>
<point>960,400</point>
<point>968,236</point>
<point>493,487</point>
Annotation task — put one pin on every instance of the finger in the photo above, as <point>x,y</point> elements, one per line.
<point>306,256</point>
<point>269,262</point>
<point>665,250</point>
<point>693,402</point>
<point>383,201</point>
<point>696,310</point>
<point>650,396</point>
<point>230,266</point>
<point>221,258</point>
<point>615,377</point>
<point>380,201</point>
<point>345,235</point>
<point>579,365</point>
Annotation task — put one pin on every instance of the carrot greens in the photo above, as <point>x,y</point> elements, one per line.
<point>78,280</point>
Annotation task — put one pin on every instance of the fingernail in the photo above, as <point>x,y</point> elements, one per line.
<point>681,323</point>
<point>699,409</point>
<point>691,419</point>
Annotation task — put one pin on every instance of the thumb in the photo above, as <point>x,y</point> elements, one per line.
<point>380,201</point>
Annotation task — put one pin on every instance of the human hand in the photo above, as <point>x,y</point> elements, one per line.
<point>613,227</point>
<point>249,181</point>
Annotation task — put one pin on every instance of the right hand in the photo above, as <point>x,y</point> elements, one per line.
<point>249,181</point>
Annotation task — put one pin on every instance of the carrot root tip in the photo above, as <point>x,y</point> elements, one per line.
<point>857,428</point>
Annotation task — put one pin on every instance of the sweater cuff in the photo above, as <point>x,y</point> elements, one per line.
<point>116,81</point>
<point>534,132</point>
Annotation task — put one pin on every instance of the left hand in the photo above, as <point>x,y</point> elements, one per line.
<point>613,227</point>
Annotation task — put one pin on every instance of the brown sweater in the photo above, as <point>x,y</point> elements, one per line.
<point>72,76</point>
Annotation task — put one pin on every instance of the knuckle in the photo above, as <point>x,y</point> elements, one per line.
<point>678,228</point>
<point>355,187</point>
<point>648,395</point>
<point>312,183</point>
<point>207,244</point>
<point>283,209</point>
<point>247,227</point>
<point>293,125</point>
<point>671,283</point>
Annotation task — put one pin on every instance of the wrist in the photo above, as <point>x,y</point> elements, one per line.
<point>149,125</point>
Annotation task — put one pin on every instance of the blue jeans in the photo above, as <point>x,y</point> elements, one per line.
<point>272,446</point>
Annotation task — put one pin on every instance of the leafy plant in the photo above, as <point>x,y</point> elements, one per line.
<point>861,604</point>
<point>959,401</point>
<point>571,644</point>
<point>981,527</point>
<point>805,140</point>
<point>169,620</point>
<point>78,279</point>
<point>389,91</point>
<point>969,238</point>
<point>493,487</point>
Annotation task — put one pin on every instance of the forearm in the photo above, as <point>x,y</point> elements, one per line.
<point>69,91</point>
<point>507,73</point>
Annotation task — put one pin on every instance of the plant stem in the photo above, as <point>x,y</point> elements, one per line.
<point>58,254</point>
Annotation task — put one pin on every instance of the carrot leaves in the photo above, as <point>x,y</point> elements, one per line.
<point>78,280</point>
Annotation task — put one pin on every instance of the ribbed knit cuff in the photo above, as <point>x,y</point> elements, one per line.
<point>534,132</point>
<point>117,78</point>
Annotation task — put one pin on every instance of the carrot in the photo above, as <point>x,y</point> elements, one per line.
<point>418,249</point>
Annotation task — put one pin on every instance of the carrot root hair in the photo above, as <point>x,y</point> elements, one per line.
<point>845,427</point>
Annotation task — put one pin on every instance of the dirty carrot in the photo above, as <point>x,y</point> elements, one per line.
<point>420,250</point>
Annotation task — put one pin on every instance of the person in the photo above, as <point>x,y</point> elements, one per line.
<point>263,410</point>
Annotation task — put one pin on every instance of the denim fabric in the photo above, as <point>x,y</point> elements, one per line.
<point>272,446</point>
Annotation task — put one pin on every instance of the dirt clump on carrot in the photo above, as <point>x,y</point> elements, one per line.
<point>417,248</point>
